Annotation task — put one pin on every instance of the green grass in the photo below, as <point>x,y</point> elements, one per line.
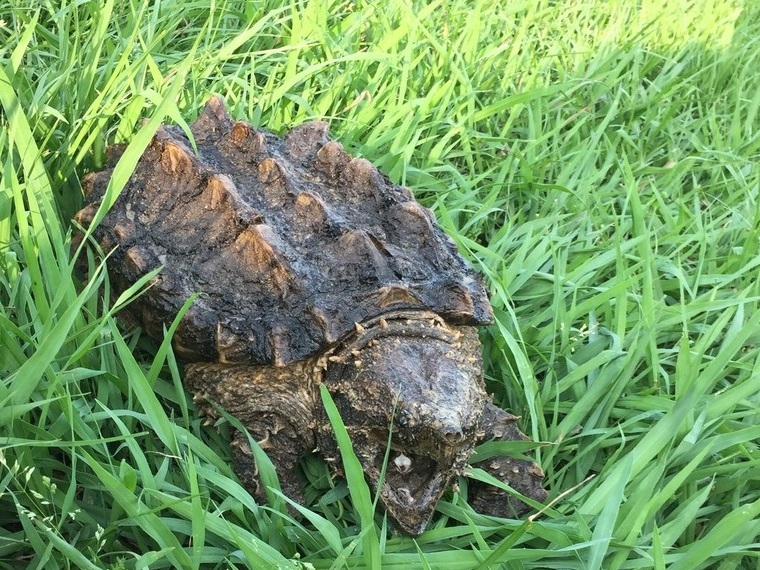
<point>597,161</point>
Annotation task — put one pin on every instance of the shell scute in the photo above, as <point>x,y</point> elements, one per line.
<point>290,241</point>
<point>331,159</point>
<point>305,140</point>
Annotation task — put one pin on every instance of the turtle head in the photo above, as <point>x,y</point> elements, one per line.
<point>410,393</point>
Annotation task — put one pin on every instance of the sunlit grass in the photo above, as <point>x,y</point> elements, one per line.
<point>597,162</point>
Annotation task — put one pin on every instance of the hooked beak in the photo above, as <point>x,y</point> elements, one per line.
<point>410,484</point>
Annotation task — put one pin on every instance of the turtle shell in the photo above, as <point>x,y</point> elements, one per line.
<point>289,241</point>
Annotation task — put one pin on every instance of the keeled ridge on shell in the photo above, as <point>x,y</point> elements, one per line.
<point>291,241</point>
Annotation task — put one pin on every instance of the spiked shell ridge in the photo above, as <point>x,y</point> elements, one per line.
<point>290,241</point>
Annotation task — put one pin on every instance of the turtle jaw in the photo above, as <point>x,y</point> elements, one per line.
<point>410,498</point>
<point>410,484</point>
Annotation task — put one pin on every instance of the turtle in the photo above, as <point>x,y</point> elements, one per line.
<point>312,269</point>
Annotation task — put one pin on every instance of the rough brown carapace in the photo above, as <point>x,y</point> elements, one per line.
<point>313,269</point>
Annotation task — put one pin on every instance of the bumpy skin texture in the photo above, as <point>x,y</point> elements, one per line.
<point>313,269</point>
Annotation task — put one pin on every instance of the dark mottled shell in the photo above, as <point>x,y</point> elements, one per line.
<point>291,241</point>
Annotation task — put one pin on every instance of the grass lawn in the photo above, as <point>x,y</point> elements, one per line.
<point>596,160</point>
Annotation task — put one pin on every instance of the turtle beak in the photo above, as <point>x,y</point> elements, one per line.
<point>412,486</point>
<point>409,483</point>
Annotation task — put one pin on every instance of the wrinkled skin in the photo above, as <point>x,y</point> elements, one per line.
<point>409,381</point>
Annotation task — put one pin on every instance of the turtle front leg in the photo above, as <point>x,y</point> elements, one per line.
<point>526,477</point>
<point>274,403</point>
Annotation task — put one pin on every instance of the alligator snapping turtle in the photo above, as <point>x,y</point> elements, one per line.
<point>314,269</point>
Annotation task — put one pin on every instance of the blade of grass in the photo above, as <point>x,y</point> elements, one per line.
<point>357,485</point>
<point>706,547</point>
<point>140,514</point>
